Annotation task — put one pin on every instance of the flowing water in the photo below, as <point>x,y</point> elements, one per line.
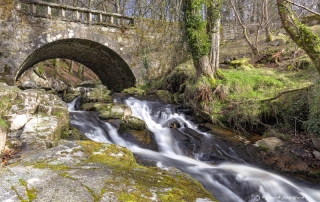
<point>228,182</point>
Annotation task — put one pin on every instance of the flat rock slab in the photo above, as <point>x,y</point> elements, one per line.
<point>90,171</point>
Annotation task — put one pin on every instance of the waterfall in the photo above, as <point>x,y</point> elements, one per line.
<point>226,181</point>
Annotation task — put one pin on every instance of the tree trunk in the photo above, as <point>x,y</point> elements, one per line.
<point>203,67</point>
<point>215,48</point>
<point>71,66</point>
<point>80,72</point>
<point>266,13</point>
<point>300,33</point>
<point>253,47</point>
<point>56,66</point>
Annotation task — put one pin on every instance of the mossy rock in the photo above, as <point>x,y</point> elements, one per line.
<point>88,106</point>
<point>69,97</point>
<point>112,110</point>
<point>73,134</point>
<point>165,96</point>
<point>178,98</point>
<point>240,63</point>
<point>134,91</point>
<point>303,63</point>
<point>90,84</point>
<point>99,94</point>
<point>132,123</point>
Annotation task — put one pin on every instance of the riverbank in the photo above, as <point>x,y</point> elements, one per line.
<point>274,95</point>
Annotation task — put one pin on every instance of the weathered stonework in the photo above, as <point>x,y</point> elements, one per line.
<point>117,55</point>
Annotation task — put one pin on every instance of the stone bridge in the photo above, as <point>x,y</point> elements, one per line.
<point>33,31</point>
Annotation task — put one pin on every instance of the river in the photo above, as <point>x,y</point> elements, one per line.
<point>225,174</point>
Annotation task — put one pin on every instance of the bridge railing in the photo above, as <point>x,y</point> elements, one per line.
<point>69,13</point>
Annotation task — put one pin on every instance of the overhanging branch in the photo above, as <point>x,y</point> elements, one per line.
<point>303,7</point>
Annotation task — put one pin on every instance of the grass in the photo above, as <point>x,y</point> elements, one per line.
<point>260,84</point>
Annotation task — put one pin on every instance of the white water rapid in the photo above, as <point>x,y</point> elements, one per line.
<point>228,182</point>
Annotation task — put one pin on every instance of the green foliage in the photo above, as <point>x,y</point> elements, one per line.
<point>3,123</point>
<point>196,28</point>
<point>313,124</point>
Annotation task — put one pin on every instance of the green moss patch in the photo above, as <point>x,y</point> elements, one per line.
<point>132,182</point>
<point>132,123</point>
<point>242,63</point>
<point>134,91</point>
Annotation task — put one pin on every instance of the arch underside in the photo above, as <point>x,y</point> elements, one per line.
<point>111,69</point>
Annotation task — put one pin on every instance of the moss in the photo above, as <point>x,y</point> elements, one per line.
<point>242,62</point>
<point>31,193</point>
<point>165,96</point>
<point>143,136</point>
<point>132,123</point>
<point>134,91</point>
<point>70,97</point>
<point>137,182</point>
<point>45,164</point>
<point>126,197</point>
<point>98,94</point>
<point>73,134</point>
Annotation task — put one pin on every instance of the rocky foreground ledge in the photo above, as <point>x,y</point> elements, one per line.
<point>37,165</point>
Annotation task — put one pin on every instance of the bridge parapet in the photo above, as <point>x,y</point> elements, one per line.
<point>76,14</point>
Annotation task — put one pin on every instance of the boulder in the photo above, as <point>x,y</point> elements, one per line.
<point>112,111</point>
<point>35,78</point>
<point>98,94</point>
<point>165,96</point>
<point>134,91</point>
<point>316,154</point>
<point>315,141</point>
<point>132,123</point>
<point>69,97</point>
<point>108,110</point>
<point>90,171</point>
<point>277,42</point>
<point>242,63</point>
<point>41,132</point>
<point>30,102</point>
<point>172,123</point>
<point>269,143</point>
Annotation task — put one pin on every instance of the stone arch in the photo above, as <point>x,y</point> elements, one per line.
<point>111,69</point>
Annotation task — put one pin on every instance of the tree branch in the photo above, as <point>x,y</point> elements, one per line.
<point>311,11</point>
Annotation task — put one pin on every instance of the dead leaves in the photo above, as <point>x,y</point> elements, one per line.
<point>6,155</point>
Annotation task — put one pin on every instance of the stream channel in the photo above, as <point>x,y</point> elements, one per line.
<point>222,171</point>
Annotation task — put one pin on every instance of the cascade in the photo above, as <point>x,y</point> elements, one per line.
<point>231,180</point>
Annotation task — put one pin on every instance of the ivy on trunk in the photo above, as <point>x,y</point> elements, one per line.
<point>301,34</point>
